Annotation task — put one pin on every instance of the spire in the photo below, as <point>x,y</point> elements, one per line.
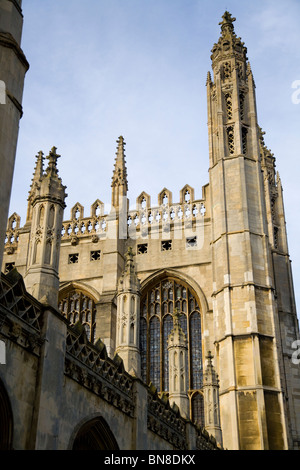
<point>37,176</point>
<point>129,280</point>
<point>120,171</point>
<point>39,167</point>
<point>119,180</point>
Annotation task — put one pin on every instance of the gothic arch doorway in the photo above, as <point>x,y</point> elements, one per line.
<point>160,298</point>
<point>95,435</point>
<point>6,420</point>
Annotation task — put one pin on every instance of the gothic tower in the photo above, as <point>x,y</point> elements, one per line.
<point>13,66</point>
<point>45,214</point>
<point>247,320</point>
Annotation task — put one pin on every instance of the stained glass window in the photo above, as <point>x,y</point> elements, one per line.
<point>167,328</point>
<point>198,409</point>
<point>196,350</point>
<point>157,307</point>
<point>76,306</point>
<point>154,352</point>
<point>143,347</point>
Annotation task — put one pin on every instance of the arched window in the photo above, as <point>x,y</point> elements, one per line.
<point>197,408</point>
<point>95,435</point>
<point>158,304</point>
<point>77,306</point>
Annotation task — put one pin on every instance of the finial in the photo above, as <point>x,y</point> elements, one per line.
<point>209,357</point>
<point>52,157</point>
<point>176,318</point>
<point>228,20</point>
<point>129,260</point>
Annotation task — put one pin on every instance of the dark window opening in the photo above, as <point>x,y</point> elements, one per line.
<point>73,258</point>
<point>166,245</point>
<point>143,248</point>
<point>95,255</point>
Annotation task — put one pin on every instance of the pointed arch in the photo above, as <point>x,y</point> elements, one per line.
<point>143,201</point>
<point>97,208</point>
<point>165,197</point>
<point>77,303</point>
<point>163,293</point>
<point>82,286</point>
<point>162,273</point>
<point>77,211</point>
<point>94,434</point>
<point>187,194</point>
<point>6,420</point>
<point>13,222</point>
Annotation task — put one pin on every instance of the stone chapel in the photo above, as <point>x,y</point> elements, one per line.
<point>190,301</point>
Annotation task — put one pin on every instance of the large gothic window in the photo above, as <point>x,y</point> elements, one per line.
<point>77,306</point>
<point>158,304</point>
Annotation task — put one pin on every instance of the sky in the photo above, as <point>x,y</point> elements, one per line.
<point>104,68</point>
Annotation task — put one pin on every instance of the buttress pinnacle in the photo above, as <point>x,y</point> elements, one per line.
<point>120,172</point>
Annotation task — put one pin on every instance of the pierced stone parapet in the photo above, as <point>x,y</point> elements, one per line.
<point>15,300</point>
<point>164,215</point>
<point>165,420</point>
<point>205,441</point>
<point>82,228</point>
<point>89,365</point>
<point>12,234</point>
<point>20,314</point>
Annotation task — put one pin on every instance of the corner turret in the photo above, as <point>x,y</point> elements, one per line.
<point>45,213</point>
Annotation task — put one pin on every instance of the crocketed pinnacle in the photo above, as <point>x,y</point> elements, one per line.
<point>210,376</point>
<point>177,336</point>
<point>39,168</point>
<point>120,172</point>
<point>129,264</point>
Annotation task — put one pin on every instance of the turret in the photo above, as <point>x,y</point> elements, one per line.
<point>177,348</point>
<point>211,399</point>
<point>47,203</point>
<point>128,314</point>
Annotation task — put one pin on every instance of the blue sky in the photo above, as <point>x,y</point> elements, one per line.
<point>137,68</point>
